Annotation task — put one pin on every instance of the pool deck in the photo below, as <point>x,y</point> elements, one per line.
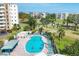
<point>19,50</point>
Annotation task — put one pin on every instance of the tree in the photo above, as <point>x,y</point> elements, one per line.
<point>76,26</point>
<point>69,19</point>
<point>26,28</point>
<point>23,16</point>
<point>73,18</point>
<point>16,27</point>
<point>61,32</point>
<point>40,30</point>
<point>51,18</point>
<point>44,21</point>
<point>32,23</point>
<point>1,43</point>
<point>76,20</point>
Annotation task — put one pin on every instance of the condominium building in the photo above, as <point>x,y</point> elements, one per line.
<point>38,14</point>
<point>62,15</point>
<point>8,16</point>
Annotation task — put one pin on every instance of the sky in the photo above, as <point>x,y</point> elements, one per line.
<point>49,7</point>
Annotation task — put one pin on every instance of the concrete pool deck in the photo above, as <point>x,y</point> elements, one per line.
<point>20,48</point>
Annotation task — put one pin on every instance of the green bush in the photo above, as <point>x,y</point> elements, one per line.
<point>11,35</point>
<point>33,31</point>
<point>1,43</point>
<point>10,31</point>
<point>72,50</point>
<point>26,28</point>
<point>40,29</point>
<point>16,27</point>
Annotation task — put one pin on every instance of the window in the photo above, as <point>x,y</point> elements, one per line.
<point>1,8</point>
<point>2,20</point>
<point>1,27</point>
<point>10,5</point>
<point>6,11</point>
<point>12,20</point>
<point>7,19</point>
<point>1,5</point>
<point>1,13</point>
<point>15,20</point>
<point>8,26</point>
<point>2,23</point>
<point>14,5</point>
<point>7,16</point>
<point>7,23</point>
<point>12,23</point>
<point>1,16</point>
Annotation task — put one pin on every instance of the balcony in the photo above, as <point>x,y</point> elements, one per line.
<point>2,21</point>
<point>2,18</point>
<point>2,28</point>
<point>2,7</point>
<point>2,10</point>
<point>2,14</point>
<point>2,25</point>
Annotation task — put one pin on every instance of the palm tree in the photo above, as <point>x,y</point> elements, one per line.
<point>76,26</point>
<point>40,30</point>
<point>76,20</point>
<point>69,19</point>
<point>44,21</point>
<point>72,18</point>
<point>51,18</point>
<point>32,23</point>
<point>61,32</point>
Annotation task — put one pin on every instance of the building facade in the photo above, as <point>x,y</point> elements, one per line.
<point>8,16</point>
<point>62,15</point>
<point>38,15</point>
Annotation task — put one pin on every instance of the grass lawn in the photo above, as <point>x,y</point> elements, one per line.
<point>76,32</point>
<point>63,42</point>
<point>22,25</point>
<point>59,21</point>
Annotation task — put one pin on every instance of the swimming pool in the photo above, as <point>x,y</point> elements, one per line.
<point>35,44</point>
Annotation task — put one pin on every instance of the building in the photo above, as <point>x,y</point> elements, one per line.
<point>8,16</point>
<point>62,15</point>
<point>38,15</point>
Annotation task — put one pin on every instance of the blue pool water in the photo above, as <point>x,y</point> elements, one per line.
<point>35,44</point>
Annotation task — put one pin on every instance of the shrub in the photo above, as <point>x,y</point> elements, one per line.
<point>16,27</point>
<point>10,31</point>
<point>26,28</point>
<point>72,50</point>
<point>33,31</point>
<point>1,43</point>
<point>61,32</point>
<point>40,29</point>
<point>10,37</point>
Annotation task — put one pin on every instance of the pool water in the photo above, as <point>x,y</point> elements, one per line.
<point>35,44</point>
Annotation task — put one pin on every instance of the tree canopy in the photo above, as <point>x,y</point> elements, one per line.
<point>23,16</point>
